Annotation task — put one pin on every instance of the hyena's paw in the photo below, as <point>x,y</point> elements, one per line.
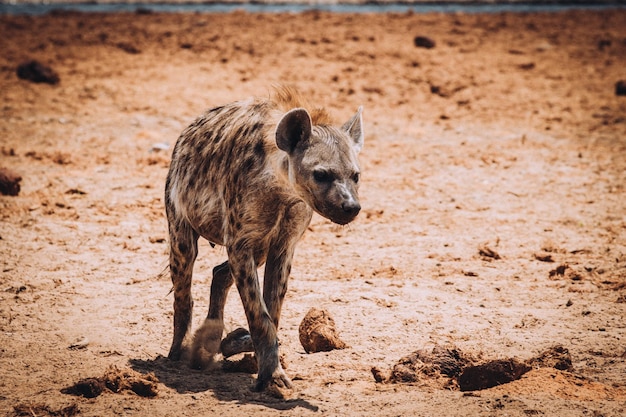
<point>237,341</point>
<point>206,344</point>
<point>278,385</point>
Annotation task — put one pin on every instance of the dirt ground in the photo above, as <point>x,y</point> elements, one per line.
<point>493,193</point>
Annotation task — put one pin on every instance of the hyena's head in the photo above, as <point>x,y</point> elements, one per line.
<point>323,163</point>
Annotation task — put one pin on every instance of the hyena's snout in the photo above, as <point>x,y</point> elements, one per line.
<point>351,207</point>
<point>345,207</point>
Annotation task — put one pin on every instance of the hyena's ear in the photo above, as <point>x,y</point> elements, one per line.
<point>354,127</point>
<point>293,128</point>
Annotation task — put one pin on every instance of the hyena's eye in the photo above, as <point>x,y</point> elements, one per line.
<point>322,176</point>
<point>355,177</point>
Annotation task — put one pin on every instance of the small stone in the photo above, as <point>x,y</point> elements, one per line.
<point>424,42</point>
<point>37,72</point>
<point>9,182</point>
<point>620,88</point>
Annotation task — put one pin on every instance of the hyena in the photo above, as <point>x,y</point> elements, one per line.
<point>248,176</point>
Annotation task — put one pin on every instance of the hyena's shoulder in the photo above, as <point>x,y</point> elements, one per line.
<point>222,134</point>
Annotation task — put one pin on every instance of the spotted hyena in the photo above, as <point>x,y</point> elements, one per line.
<point>248,176</point>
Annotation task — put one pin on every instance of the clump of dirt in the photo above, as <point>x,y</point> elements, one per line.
<point>43,410</point>
<point>620,88</point>
<point>557,357</point>
<point>424,42</point>
<point>37,72</point>
<point>9,182</point>
<point>318,332</point>
<point>488,253</point>
<point>566,272</point>
<point>247,365</point>
<point>115,380</point>
<point>491,374</point>
<point>450,368</point>
<point>441,364</point>
<point>88,388</point>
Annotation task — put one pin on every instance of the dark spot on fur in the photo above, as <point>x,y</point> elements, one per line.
<point>239,247</point>
<point>205,168</point>
<point>199,148</point>
<point>248,164</point>
<point>183,248</point>
<point>235,177</point>
<point>251,281</point>
<point>259,150</point>
<point>252,294</point>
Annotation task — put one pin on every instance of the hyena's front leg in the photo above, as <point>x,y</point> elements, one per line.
<point>262,328</point>
<point>183,252</point>
<point>280,257</point>
<point>275,280</point>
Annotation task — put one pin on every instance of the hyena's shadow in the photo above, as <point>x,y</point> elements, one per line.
<point>226,386</point>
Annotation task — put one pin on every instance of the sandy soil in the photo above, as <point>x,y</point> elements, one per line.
<point>507,135</point>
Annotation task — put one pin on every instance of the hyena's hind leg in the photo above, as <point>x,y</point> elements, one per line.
<point>183,252</point>
<point>206,342</point>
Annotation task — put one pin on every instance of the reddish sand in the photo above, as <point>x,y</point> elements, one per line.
<point>505,138</point>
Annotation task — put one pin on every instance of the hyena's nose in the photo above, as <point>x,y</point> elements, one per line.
<point>351,207</point>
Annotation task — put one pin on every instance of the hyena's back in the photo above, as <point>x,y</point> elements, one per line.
<point>221,162</point>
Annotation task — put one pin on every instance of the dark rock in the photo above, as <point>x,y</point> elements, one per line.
<point>9,182</point>
<point>36,72</point>
<point>604,43</point>
<point>424,42</point>
<point>620,88</point>
<point>527,66</point>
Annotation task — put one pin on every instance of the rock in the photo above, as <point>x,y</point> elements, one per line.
<point>9,182</point>
<point>424,42</point>
<point>620,88</point>
<point>37,72</point>
<point>491,374</point>
<point>318,333</point>
<point>527,66</point>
